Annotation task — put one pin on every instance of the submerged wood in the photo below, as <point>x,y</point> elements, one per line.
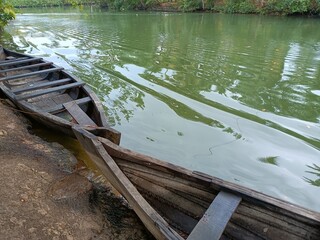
<point>182,197</point>
<point>41,90</point>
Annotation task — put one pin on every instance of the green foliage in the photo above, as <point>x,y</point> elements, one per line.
<point>38,3</point>
<point>187,5</point>
<point>50,3</point>
<point>121,5</point>
<point>114,4</point>
<point>246,7</point>
<point>280,7</point>
<point>6,14</point>
<point>283,7</point>
<point>296,6</point>
<point>289,7</point>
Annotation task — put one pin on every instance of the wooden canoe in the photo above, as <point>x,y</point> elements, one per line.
<point>175,203</point>
<point>52,96</point>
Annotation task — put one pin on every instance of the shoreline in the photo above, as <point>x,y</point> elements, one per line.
<point>45,196</point>
<point>258,8</point>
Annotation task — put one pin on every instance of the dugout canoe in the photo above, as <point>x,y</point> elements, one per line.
<point>176,203</point>
<point>51,95</point>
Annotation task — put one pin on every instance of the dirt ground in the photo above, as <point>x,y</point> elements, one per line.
<point>44,196</point>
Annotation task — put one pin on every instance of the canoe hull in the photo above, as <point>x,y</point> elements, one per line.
<point>92,107</point>
<point>182,197</point>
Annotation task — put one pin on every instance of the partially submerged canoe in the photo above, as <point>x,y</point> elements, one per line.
<point>175,203</point>
<point>52,96</point>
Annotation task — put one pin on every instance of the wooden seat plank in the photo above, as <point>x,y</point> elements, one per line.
<point>78,114</point>
<point>60,107</point>
<point>7,60</point>
<point>41,85</point>
<point>26,67</point>
<point>10,62</point>
<point>12,77</point>
<point>214,221</point>
<point>49,90</point>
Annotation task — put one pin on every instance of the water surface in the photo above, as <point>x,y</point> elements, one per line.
<point>237,97</point>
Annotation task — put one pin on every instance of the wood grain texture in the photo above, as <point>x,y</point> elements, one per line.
<point>20,60</point>
<point>11,58</point>
<point>214,221</point>
<point>60,107</point>
<point>43,64</point>
<point>78,114</point>
<point>152,220</point>
<point>49,90</point>
<point>32,80</point>
<point>40,85</point>
<point>258,216</point>
<point>13,77</point>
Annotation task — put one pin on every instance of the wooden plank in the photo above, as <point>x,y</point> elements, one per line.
<point>49,90</point>
<point>150,218</point>
<point>216,218</point>
<point>60,107</point>
<point>78,114</point>
<point>41,85</point>
<point>40,104</point>
<point>12,77</point>
<point>26,67</point>
<point>9,62</point>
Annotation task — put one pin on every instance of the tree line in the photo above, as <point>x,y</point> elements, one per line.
<point>281,7</point>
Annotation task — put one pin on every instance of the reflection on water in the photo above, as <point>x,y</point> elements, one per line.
<point>270,160</point>
<point>216,93</point>
<point>315,170</point>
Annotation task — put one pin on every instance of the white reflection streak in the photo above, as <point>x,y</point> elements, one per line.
<point>289,66</point>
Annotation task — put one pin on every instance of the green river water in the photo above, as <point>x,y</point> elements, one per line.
<point>234,96</point>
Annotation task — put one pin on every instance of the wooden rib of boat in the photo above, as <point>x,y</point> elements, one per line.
<point>175,203</point>
<point>52,96</point>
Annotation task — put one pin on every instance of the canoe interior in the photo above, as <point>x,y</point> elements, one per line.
<point>182,197</point>
<point>38,86</point>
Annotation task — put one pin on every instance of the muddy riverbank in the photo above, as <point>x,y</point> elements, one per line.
<point>44,195</point>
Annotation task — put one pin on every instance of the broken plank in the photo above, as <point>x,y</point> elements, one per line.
<point>26,67</point>
<point>216,218</point>
<point>78,114</point>
<point>41,85</point>
<point>10,62</point>
<point>49,90</point>
<point>12,77</point>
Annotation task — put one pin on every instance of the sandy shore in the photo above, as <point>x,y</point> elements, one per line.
<point>44,196</point>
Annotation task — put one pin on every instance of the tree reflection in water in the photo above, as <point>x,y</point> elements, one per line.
<point>315,171</point>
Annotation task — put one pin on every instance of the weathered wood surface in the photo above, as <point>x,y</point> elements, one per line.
<point>78,114</point>
<point>13,77</point>
<point>10,58</point>
<point>60,107</point>
<point>18,61</point>
<point>216,218</point>
<point>40,85</point>
<point>169,187</point>
<point>43,64</point>
<point>49,90</point>
<point>152,220</point>
<point>50,100</point>
<point>46,95</point>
